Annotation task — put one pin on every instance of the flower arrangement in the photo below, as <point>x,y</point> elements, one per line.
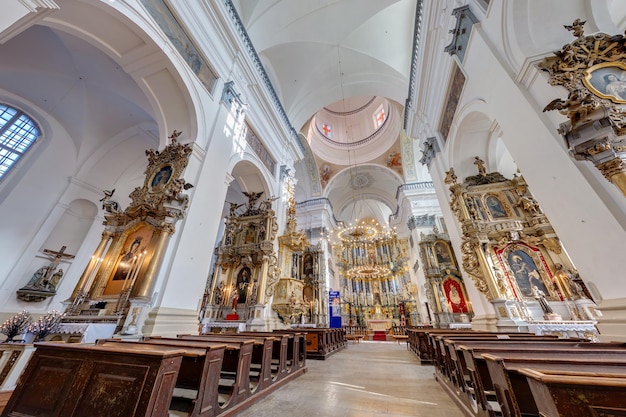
<point>16,325</point>
<point>46,325</point>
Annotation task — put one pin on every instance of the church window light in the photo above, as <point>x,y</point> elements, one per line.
<point>379,117</point>
<point>327,130</point>
<point>17,133</point>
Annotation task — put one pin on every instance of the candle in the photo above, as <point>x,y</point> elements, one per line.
<point>93,272</point>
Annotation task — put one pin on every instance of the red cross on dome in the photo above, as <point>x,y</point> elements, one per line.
<point>327,129</point>
<point>380,118</point>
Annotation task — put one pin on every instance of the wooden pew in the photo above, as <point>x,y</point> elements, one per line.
<point>399,334</point>
<point>420,342</point>
<point>577,394</point>
<point>291,358</point>
<point>445,357</point>
<point>480,393</point>
<point>512,388</point>
<point>320,343</point>
<point>262,352</point>
<point>197,386</point>
<point>73,380</point>
<point>234,380</point>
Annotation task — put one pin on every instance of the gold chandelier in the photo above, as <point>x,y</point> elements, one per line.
<point>366,251</point>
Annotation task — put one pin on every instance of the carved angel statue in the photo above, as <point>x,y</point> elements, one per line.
<point>234,207</point>
<point>480,164</point>
<point>529,204</point>
<point>577,28</point>
<point>576,107</point>
<point>450,177</point>
<point>267,203</point>
<point>109,205</point>
<point>252,198</point>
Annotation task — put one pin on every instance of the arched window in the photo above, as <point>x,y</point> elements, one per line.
<point>17,133</point>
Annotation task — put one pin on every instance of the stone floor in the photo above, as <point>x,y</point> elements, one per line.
<point>364,380</point>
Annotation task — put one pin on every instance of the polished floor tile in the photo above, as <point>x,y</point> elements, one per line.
<point>365,379</point>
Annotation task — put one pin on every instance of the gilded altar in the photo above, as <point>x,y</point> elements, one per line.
<point>120,277</point>
<point>510,250</point>
<point>246,264</point>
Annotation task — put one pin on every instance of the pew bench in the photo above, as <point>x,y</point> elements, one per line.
<point>261,361</point>
<point>74,380</point>
<point>480,389</point>
<point>233,383</point>
<point>292,357</point>
<point>196,392</point>
<point>512,388</point>
<point>577,394</point>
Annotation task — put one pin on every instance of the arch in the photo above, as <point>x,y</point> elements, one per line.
<point>73,226</point>
<point>134,45</point>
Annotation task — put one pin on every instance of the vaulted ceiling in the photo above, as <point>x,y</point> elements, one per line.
<point>323,57</point>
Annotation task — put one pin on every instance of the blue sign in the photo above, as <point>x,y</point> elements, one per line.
<point>334,306</point>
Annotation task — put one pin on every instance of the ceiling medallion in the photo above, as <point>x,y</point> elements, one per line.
<point>361,181</point>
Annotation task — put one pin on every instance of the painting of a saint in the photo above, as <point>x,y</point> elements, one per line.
<point>308,266</point>
<point>525,272</point>
<point>161,178</point>
<point>495,207</point>
<point>607,80</point>
<point>454,296</point>
<point>127,260</point>
<point>443,253</point>
<point>243,280</point>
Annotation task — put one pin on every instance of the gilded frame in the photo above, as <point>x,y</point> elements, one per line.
<point>497,211</point>
<point>530,269</point>
<point>160,179</point>
<point>597,82</point>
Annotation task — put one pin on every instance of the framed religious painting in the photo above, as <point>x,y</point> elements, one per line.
<point>455,295</point>
<point>160,179</point>
<point>607,80</point>
<point>527,268</point>
<point>496,207</point>
<point>442,252</point>
<point>131,260</point>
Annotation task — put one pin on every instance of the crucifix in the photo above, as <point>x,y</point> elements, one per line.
<point>55,257</point>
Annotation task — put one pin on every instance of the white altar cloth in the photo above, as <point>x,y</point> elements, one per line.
<point>90,331</point>
<point>207,325</point>
<point>565,328</point>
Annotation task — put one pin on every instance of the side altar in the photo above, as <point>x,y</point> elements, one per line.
<point>514,256</point>
<point>245,269</point>
<point>115,291</point>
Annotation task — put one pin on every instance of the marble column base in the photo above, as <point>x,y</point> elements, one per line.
<point>612,320</point>
<point>485,322</point>
<point>169,322</point>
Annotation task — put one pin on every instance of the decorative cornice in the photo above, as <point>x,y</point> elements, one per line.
<point>431,147</point>
<point>424,185</point>
<point>261,71</point>
<point>425,220</point>
<point>465,19</point>
<point>417,27</point>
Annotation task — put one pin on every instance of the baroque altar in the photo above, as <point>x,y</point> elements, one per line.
<point>512,253</point>
<point>245,268</point>
<point>117,284</point>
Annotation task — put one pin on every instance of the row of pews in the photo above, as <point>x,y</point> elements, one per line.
<point>191,375</point>
<point>321,342</point>
<point>523,375</point>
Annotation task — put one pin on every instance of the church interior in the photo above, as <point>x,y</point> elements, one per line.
<point>377,167</point>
